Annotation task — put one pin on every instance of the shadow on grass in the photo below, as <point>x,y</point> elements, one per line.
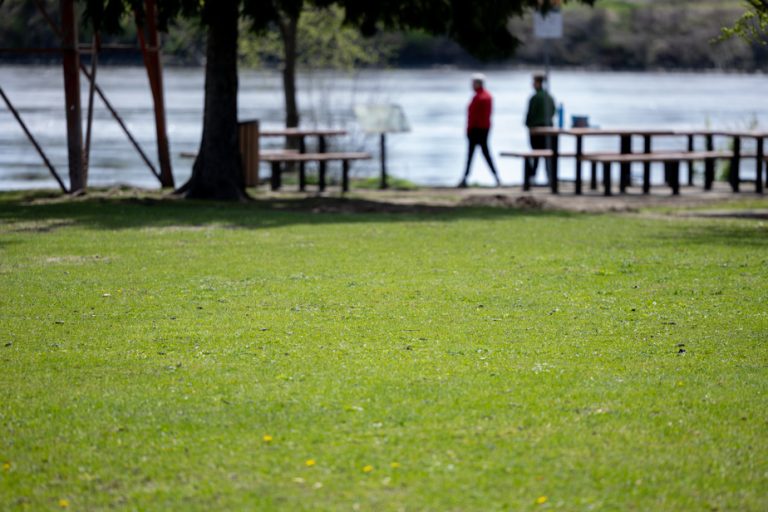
<point>747,234</point>
<point>38,213</point>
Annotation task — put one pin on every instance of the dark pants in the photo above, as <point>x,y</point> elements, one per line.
<point>479,137</point>
<point>539,142</point>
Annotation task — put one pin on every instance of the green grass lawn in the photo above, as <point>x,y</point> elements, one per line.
<point>188,356</point>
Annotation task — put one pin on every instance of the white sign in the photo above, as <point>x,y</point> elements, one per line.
<point>549,26</point>
<point>382,118</point>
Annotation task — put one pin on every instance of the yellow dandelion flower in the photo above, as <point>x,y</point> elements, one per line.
<point>6,466</point>
<point>541,500</point>
<point>63,503</point>
<point>267,438</point>
<point>367,469</point>
<point>395,465</point>
<point>310,463</point>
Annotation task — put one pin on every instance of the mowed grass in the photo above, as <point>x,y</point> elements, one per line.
<point>188,356</point>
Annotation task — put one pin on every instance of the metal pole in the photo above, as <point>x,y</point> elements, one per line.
<point>151,54</point>
<point>33,141</point>
<point>547,84</point>
<point>71,60</point>
<point>91,90</point>
<point>122,124</point>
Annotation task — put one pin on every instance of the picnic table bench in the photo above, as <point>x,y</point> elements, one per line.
<point>253,155</point>
<point>277,160</point>
<point>736,137</point>
<point>671,161</point>
<point>648,155</point>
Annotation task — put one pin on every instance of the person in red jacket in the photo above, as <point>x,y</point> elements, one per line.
<point>478,126</point>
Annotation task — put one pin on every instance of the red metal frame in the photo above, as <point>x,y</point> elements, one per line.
<point>78,154</point>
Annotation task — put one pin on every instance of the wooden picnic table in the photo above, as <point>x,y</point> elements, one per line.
<point>251,134</point>
<point>671,161</point>
<point>625,147</point>
<point>626,135</point>
<point>301,134</point>
<point>736,136</point>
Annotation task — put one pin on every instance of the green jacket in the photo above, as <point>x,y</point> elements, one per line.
<point>541,109</point>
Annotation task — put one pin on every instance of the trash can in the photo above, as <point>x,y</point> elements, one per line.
<point>579,121</point>
<point>248,132</point>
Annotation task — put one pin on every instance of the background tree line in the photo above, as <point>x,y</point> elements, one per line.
<point>614,34</point>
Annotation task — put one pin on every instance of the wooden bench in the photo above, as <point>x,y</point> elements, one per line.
<point>671,161</point>
<point>277,161</point>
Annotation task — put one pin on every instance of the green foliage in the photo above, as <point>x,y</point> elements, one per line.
<point>323,42</point>
<point>473,360</point>
<point>753,24</point>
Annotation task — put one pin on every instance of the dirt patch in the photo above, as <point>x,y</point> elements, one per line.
<point>39,226</point>
<point>438,199</point>
<point>504,201</point>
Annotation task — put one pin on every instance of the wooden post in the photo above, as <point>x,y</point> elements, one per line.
<point>626,167</point>
<point>690,162</point>
<point>275,178</point>
<point>734,176</point>
<point>322,165</point>
<point>553,167</point>
<point>345,175</point>
<point>607,178</point>
<point>383,152</point>
<point>151,53</point>
<point>527,174</point>
<point>760,163</point>
<point>709,164</point>
<point>71,65</point>
<point>579,151</point>
<point>593,177</point>
<point>646,165</point>
<point>672,170</point>
<point>302,166</point>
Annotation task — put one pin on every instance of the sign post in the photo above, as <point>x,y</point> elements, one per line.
<point>548,25</point>
<point>382,119</point>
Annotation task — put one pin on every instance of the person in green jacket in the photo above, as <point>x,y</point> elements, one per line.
<point>541,110</point>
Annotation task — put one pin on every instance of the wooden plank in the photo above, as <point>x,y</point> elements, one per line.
<point>657,157</point>
<point>314,157</point>
<point>302,132</point>
<point>533,153</point>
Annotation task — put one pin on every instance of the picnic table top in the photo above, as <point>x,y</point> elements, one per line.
<point>309,157</point>
<point>726,133</point>
<point>591,131</point>
<point>299,132</point>
<point>579,132</point>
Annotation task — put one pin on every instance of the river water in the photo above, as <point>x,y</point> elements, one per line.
<point>434,101</point>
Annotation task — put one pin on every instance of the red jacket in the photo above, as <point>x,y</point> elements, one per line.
<point>479,112</point>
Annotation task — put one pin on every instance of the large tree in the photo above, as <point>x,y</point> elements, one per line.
<point>478,25</point>
<point>316,38</point>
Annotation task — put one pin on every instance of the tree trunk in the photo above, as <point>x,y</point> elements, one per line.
<point>217,172</point>
<point>288,28</point>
